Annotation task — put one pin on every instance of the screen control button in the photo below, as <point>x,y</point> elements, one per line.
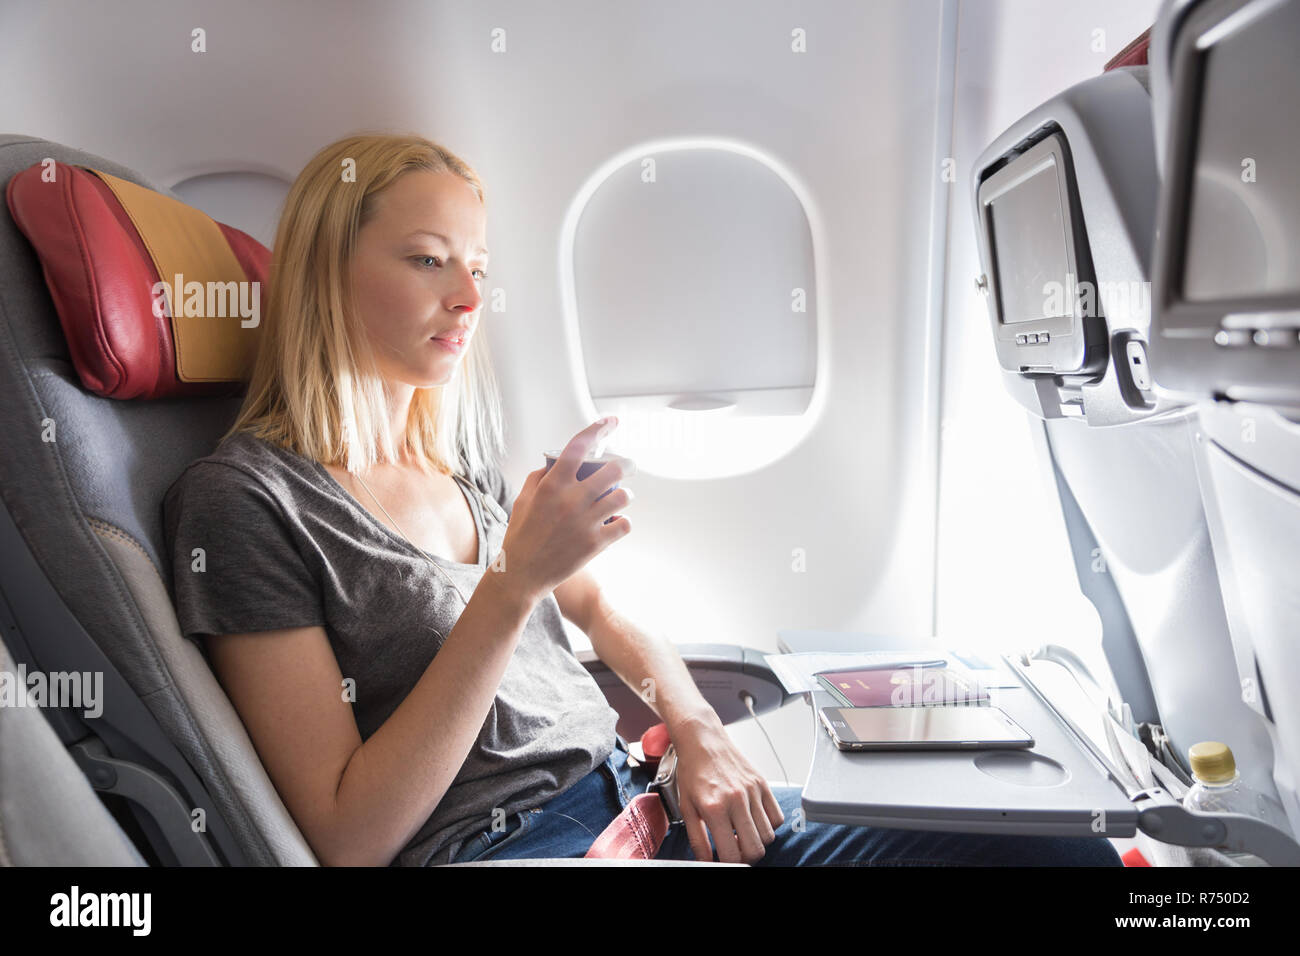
<point>1274,338</point>
<point>1232,337</point>
<point>1138,369</point>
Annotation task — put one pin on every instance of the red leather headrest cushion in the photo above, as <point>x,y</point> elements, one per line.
<point>101,277</point>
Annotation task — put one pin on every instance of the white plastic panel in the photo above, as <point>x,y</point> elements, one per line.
<point>247,200</point>
<point>1137,486</point>
<point>1261,529</point>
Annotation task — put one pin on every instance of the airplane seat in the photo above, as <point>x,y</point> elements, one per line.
<point>83,476</point>
<point>1065,204</point>
<point>1226,321</point>
<point>106,403</point>
<point>49,815</point>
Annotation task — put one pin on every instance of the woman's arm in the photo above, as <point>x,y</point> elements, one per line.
<point>361,803</point>
<point>718,789</point>
<point>649,666</point>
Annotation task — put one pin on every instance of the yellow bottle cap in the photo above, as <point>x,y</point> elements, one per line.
<point>1212,761</point>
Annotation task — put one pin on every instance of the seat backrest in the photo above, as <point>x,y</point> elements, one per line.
<point>84,477</point>
<point>1226,321</point>
<point>1065,206</point>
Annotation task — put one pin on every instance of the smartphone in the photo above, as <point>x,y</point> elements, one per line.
<point>923,728</point>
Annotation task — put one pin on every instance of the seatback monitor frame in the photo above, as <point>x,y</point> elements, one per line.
<point>1242,347</point>
<point>1070,343</point>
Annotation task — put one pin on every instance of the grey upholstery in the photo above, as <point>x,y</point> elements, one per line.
<point>49,815</point>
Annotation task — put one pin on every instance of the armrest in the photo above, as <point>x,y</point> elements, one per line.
<point>721,672</point>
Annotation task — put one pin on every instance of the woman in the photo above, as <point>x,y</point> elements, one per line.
<point>389,627</point>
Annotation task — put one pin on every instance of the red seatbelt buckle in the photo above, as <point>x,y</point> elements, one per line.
<point>654,744</point>
<point>639,830</point>
<point>661,758</point>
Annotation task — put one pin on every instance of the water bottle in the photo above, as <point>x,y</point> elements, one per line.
<point>1217,788</point>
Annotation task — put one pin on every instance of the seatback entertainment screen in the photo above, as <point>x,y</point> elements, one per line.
<point>1243,237</point>
<point>1027,235</point>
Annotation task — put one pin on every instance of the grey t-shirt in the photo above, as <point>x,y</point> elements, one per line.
<point>285,545</point>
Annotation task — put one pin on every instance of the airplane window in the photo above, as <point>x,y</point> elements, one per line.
<point>693,307</point>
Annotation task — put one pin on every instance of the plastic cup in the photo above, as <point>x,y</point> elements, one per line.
<point>588,465</point>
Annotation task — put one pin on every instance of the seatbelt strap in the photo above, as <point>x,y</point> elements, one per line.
<point>636,834</point>
<point>639,831</point>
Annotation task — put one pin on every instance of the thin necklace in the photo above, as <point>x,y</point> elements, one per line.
<point>435,564</point>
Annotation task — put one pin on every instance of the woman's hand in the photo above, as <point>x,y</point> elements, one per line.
<point>719,789</point>
<point>556,524</point>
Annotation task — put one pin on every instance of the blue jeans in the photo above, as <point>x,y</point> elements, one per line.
<point>569,823</point>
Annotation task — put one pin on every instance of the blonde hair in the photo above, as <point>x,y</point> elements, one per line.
<point>315,388</point>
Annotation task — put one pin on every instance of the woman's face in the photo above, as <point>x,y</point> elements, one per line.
<point>411,286</point>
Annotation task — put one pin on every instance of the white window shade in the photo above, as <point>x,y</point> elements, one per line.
<point>693,302</point>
